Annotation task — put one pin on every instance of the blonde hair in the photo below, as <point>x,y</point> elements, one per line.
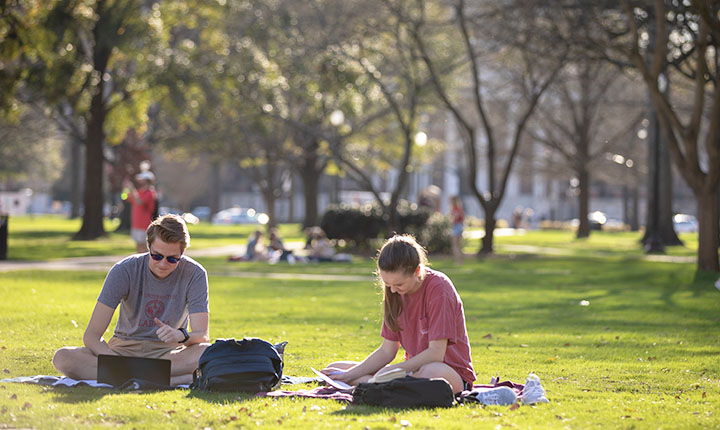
<point>169,228</point>
<point>399,254</point>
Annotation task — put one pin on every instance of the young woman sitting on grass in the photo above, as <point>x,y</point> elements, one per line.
<point>423,314</point>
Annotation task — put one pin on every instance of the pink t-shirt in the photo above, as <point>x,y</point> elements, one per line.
<point>433,312</point>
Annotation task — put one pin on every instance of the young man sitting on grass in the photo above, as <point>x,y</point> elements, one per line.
<point>158,292</point>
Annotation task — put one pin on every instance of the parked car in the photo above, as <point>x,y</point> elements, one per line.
<point>237,215</point>
<point>685,223</point>
<point>163,210</point>
<point>596,219</point>
<point>202,212</point>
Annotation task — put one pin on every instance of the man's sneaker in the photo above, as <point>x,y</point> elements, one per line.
<point>533,391</point>
<point>501,396</point>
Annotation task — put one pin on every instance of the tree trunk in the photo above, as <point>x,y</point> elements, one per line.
<point>216,189</point>
<point>269,198</point>
<point>708,233</point>
<point>487,240</point>
<point>75,178</point>
<point>653,212</point>
<point>583,203</point>
<point>125,214</point>
<point>659,223</point>
<point>666,227</point>
<point>626,205</point>
<point>310,177</point>
<point>92,220</point>
<point>635,219</point>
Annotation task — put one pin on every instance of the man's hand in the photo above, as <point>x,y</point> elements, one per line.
<point>167,334</point>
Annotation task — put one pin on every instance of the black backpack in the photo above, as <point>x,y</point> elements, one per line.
<point>407,392</point>
<point>251,365</point>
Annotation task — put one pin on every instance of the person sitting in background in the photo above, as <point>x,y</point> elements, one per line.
<point>276,249</point>
<point>321,248</point>
<point>253,251</point>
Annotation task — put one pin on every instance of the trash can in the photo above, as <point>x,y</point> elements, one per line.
<point>3,236</point>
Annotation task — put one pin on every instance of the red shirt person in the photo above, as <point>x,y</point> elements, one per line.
<point>143,200</point>
<point>423,314</point>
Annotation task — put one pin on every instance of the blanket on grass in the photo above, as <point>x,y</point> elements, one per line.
<point>130,385</point>
<point>529,393</point>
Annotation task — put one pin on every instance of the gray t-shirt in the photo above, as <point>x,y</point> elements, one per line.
<point>143,297</point>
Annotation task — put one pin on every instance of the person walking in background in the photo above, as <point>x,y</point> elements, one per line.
<point>143,200</point>
<point>457,216</point>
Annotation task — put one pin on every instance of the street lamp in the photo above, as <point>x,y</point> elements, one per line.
<point>421,138</point>
<point>337,118</point>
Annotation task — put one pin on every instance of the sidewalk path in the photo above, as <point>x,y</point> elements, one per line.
<point>544,250</point>
<point>104,262</point>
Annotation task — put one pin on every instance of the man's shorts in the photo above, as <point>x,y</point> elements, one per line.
<point>138,235</point>
<point>142,348</point>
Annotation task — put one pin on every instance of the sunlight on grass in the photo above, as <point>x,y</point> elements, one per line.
<point>642,352</point>
<point>50,237</point>
<point>618,341</point>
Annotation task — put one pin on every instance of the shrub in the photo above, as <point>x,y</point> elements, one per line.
<point>435,234</point>
<point>411,217</point>
<point>361,224</point>
<point>357,224</point>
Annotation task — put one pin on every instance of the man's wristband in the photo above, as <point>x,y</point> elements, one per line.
<point>185,333</point>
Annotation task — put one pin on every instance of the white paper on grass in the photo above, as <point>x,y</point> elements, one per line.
<point>337,384</point>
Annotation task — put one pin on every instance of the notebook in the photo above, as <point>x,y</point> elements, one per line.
<point>117,369</point>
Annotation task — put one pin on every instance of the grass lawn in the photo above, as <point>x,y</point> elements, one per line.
<point>49,237</point>
<point>643,353</point>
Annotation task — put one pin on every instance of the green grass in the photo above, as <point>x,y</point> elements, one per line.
<point>50,237</point>
<point>643,354</point>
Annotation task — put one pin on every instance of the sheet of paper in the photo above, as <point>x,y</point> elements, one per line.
<point>337,384</point>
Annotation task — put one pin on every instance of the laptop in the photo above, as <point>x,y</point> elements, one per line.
<point>117,369</point>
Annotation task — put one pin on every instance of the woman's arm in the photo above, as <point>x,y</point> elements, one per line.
<point>374,362</point>
<point>434,353</point>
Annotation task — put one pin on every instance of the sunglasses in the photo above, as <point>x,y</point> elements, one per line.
<point>159,257</point>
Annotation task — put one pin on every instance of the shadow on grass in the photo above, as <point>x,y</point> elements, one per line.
<point>704,282</point>
<point>74,395</point>
<point>365,410</point>
<point>43,234</point>
<point>220,398</point>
